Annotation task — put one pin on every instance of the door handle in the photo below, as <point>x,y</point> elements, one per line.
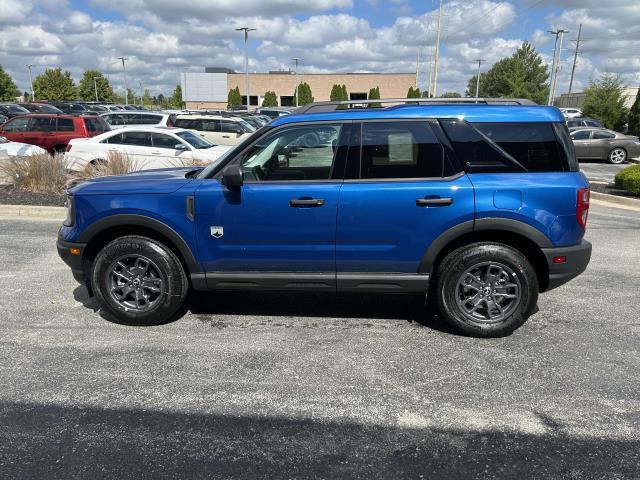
<point>306,202</point>
<point>225,136</point>
<point>437,202</point>
<point>155,153</point>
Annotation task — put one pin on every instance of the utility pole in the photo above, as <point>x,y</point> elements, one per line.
<point>296,60</point>
<point>430,76</point>
<point>141,92</point>
<point>124,73</point>
<point>556,63</point>
<point>575,57</point>
<point>95,88</point>
<point>33,95</point>
<point>434,92</point>
<point>418,68</point>
<point>246,31</point>
<point>479,60</point>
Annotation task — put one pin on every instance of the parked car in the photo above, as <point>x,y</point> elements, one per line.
<point>112,108</point>
<point>40,108</point>
<point>582,122</point>
<point>219,130</point>
<point>482,206</point>
<point>17,149</point>
<point>274,112</point>
<point>603,144</point>
<point>129,118</point>
<point>146,147</point>
<point>11,110</point>
<point>3,119</point>
<point>571,112</point>
<point>71,108</point>
<point>52,132</point>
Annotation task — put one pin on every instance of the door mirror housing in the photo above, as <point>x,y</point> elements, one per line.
<point>232,176</point>
<point>239,131</point>
<point>180,146</point>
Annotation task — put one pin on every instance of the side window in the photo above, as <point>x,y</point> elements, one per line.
<point>40,124</point>
<point>95,125</point>
<point>189,123</point>
<point>581,135</point>
<point>293,154</point>
<point>573,123</point>
<point>593,123</point>
<point>17,125</point>
<point>65,125</point>
<point>400,150</point>
<point>149,119</point>
<point>209,126</point>
<point>227,126</point>
<point>602,134</point>
<point>116,119</point>
<point>161,140</point>
<point>114,139</point>
<point>140,139</point>
<point>532,144</point>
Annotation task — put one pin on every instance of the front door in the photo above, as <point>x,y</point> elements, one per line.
<point>280,225</point>
<point>582,143</point>
<point>407,193</point>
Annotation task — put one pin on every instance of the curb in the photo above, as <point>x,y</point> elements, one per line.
<point>616,201</point>
<point>33,211</point>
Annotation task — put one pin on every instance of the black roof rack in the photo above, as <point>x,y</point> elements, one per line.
<point>322,107</point>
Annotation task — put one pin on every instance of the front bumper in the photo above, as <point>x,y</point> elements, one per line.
<point>577,259</point>
<point>74,260</point>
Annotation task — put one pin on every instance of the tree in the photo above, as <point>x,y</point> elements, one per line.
<point>522,75</point>
<point>634,116</point>
<point>234,99</point>
<point>604,100</point>
<point>451,95</point>
<point>87,90</point>
<point>270,99</point>
<point>339,94</point>
<point>8,88</point>
<point>54,84</point>
<point>147,99</point>
<point>131,96</point>
<point>176,97</point>
<point>413,92</point>
<point>304,94</point>
<point>374,94</point>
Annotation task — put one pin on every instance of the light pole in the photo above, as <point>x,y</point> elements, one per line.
<point>434,92</point>
<point>95,88</point>
<point>296,60</point>
<point>246,31</point>
<point>141,92</point>
<point>556,63</point>
<point>124,73</point>
<point>480,60</point>
<point>33,95</point>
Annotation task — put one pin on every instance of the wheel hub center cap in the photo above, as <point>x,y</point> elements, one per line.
<point>136,282</point>
<point>486,291</point>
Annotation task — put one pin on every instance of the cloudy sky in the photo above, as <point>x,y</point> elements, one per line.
<point>161,38</point>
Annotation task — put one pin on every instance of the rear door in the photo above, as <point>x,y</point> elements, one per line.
<point>404,192</point>
<point>40,132</point>
<point>602,142</point>
<point>66,129</point>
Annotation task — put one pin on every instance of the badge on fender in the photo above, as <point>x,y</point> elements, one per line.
<point>217,232</point>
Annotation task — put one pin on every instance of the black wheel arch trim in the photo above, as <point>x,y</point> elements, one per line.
<point>121,220</point>
<point>479,225</point>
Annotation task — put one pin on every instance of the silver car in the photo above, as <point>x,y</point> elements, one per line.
<point>603,144</point>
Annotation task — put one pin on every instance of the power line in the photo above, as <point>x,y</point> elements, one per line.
<point>575,57</point>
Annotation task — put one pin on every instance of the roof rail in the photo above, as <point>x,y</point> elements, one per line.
<point>322,107</point>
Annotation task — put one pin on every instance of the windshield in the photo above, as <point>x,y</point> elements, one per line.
<point>247,126</point>
<point>16,108</point>
<point>195,141</point>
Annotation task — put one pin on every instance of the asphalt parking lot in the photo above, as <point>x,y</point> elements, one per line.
<point>601,171</point>
<point>315,386</point>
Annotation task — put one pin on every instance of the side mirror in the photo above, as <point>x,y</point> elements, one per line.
<point>232,176</point>
<point>180,146</point>
<point>239,131</point>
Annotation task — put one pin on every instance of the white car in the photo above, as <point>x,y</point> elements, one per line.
<point>145,147</point>
<point>17,149</point>
<point>217,129</point>
<point>571,112</point>
<point>124,118</point>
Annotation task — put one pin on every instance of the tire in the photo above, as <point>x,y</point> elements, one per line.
<point>617,156</point>
<point>497,313</point>
<point>139,281</point>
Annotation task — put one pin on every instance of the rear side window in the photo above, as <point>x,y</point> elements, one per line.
<point>599,135</point>
<point>209,126</point>
<point>39,124</point>
<point>65,125</point>
<point>141,139</point>
<point>96,125</point>
<point>149,119</point>
<point>400,150</point>
<point>508,146</point>
<point>189,123</point>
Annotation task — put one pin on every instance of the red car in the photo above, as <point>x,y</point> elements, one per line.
<point>52,132</point>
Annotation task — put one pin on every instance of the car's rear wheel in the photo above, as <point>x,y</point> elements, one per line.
<point>486,289</point>
<point>617,155</point>
<point>139,281</point>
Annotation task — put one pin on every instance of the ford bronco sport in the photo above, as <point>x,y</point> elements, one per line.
<point>480,206</point>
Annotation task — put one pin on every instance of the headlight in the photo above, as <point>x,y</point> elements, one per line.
<point>71,211</point>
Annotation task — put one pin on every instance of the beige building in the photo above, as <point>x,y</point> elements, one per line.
<point>210,89</point>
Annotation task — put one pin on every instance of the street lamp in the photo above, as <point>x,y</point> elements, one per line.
<point>246,31</point>
<point>33,95</point>
<point>95,88</point>
<point>295,59</point>
<point>124,73</point>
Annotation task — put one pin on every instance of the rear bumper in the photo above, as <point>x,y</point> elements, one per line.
<point>577,259</point>
<point>73,260</point>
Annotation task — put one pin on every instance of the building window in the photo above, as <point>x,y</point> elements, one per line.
<point>357,96</point>
<point>253,100</point>
<point>286,101</point>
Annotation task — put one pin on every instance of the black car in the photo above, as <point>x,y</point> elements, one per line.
<point>11,110</point>
<point>73,108</point>
<point>40,107</point>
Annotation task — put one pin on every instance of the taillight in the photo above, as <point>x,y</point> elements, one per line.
<point>169,123</point>
<point>68,149</point>
<point>582,206</point>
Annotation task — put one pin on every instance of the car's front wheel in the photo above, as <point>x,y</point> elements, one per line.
<point>617,156</point>
<point>486,289</point>
<point>139,281</point>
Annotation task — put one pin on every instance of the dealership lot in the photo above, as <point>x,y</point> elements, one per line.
<point>298,386</point>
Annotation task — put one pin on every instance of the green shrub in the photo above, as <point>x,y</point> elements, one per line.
<point>629,179</point>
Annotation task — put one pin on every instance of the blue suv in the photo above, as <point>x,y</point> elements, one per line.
<point>479,206</point>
